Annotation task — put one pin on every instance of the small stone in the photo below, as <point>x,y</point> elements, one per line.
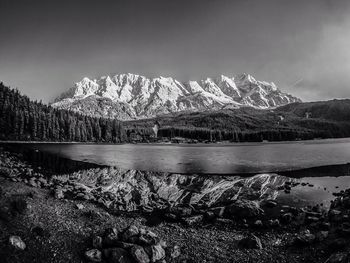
<point>80,206</point>
<point>97,242</point>
<point>311,219</point>
<point>20,205</point>
<point>43,181</point>
<point>117,255</point>
<point>93,255</point>
<point>148,238</point>
<point>92,214</point>
<point>258,224</point>
<point>218,211</point>
<point>180,211</point>
<point>59,194</point>
<point>285,207</point>
<point>244,209</point>
<point>131,231</point>
<point>335,215</point>
<point>286,218</point>
<point>5,213</point>
<point>337,244</point>
<point>270,203</point>
<point>250,242</point>
<point>17,243</point>
<point>87,197</point>
<point>209,216</point>
<point>175,252</point>
<point>33,194</point>
<point>39,231</point>
<point>340,257</point>
<point>322,235</point>
<point>274,223</point>
<point>305,238</point>
<point>111,237</point>
<point>325,226</point>
<point>170,216</point>
<point>139,254</point>
<point>156,252</point>
<point>32,182</point>
<point>193,219</point>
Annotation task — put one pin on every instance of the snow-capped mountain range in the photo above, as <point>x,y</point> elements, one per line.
<point>131,96</point>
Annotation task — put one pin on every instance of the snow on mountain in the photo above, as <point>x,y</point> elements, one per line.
<point>130,96</point>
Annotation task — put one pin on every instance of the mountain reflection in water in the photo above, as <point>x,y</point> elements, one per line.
<point>133,190</point>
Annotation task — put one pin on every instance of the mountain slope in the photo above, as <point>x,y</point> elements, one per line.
<point>323,119</point>
<point>131,96</point>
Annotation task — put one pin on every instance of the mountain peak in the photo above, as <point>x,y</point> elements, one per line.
<point>144,97</point>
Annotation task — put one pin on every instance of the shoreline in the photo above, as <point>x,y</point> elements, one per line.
<point>199,144</point>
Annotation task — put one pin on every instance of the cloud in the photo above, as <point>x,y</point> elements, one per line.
<point>327,68</point>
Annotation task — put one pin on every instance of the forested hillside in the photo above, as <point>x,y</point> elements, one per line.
<point>326,119</point>
<point>23,119</point>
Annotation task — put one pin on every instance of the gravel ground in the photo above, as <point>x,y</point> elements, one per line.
<point>67,231</point>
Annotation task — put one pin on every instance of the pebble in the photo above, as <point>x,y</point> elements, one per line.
<point>139,254</point>
<point>17,242</point>
<point>250,242</point>
<point>93,255</point>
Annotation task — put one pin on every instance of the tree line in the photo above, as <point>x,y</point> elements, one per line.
<point>212,135</point>
<point>23,119</point>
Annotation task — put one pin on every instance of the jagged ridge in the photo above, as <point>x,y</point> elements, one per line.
<point>130,96</point>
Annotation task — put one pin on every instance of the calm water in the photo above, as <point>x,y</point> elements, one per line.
<point>215,159</point>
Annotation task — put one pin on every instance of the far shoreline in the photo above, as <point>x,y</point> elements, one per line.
<point>199,144</point>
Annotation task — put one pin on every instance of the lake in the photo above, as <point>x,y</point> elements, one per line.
<point>321,163</point>
<point>208,159</point>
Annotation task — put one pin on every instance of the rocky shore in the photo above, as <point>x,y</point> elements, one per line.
<point>111,215</point>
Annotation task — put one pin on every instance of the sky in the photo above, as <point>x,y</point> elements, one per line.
<point>302,46</point>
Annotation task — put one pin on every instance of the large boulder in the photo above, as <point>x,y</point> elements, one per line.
<point>243,209</point>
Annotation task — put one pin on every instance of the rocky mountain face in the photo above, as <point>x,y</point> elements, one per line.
<point>130,96</point>
<point>132,190</point>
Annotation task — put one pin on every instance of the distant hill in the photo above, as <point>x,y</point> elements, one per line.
<point>334,110</point>
<point>324,119</point>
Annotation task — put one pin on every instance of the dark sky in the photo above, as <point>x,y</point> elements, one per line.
<point>303,46</point>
